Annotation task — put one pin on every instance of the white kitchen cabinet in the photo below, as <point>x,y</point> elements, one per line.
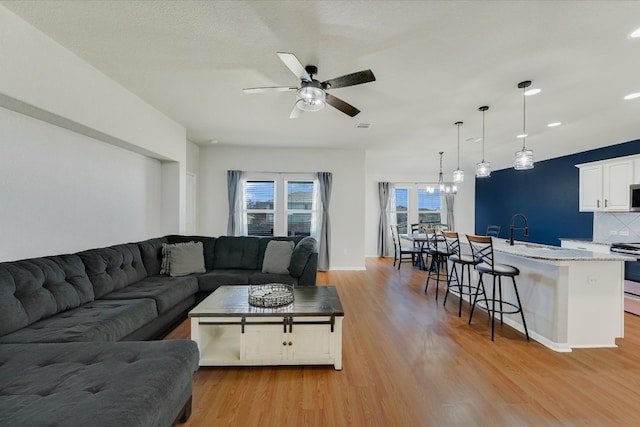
<point>604,186</point>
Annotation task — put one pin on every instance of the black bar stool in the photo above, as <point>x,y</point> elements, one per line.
<point>465,260</point>
<point>482,250</point>
<point>439,255</point>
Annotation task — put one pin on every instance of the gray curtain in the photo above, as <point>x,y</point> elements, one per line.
<point>324,240</point>
<point>233,184</point>
<point>449,199</point>
<point>383,224</point>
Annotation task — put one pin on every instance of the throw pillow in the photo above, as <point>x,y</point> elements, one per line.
<point>277,257</point>
<point>180,259</point>
<point>301,253</point>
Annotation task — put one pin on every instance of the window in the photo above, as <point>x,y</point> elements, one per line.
<point>259,207</point>
<point>429,207</point>
<point>280,204</point>
<point>299,207</point>
<point>412,204</point>
<point>400,209</point>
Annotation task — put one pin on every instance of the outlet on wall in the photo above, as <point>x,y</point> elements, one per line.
<point>593,280</point>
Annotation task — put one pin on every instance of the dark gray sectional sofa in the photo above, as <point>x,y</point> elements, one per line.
<point>67,324</point>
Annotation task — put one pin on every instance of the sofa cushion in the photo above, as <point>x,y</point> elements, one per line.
<point>210,281</point>
<point>300,256</point>
<point>114,267</point>
<point>34,289</point>
<point>181,259</point>
<point>96,384</point>
<point>151,252</point>
<point>98,320</point>
<point>236,252</point>
<point>277,257</point>
<point>208,243</point>
<point>166,291</point>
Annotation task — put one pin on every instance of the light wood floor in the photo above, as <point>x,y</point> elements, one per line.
<point>409,361</point>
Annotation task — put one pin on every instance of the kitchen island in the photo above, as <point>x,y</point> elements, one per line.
<point>571,298</point>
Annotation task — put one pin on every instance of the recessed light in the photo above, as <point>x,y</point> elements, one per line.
<point>635,34</point>
<point>522,135</point>
<point>554,124</point>
<point>632,96</point>
<point>530,92</point>
<point>213,141</point>
<point>363,125</point>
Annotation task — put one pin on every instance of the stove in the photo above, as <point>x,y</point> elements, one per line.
<point>626,248</point>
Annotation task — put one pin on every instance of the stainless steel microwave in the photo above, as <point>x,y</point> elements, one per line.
<point>634,198</point>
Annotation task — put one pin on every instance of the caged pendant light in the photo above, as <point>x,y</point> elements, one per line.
<point>483,169</point>
<point>524,157</point>
<point>458,174</point>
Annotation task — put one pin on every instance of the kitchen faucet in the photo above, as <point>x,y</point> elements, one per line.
<point>513,228</point>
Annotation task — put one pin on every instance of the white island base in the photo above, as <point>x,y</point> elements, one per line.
<point>568,303</point>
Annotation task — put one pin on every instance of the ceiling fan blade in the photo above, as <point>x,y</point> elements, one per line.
<point>269,89</point>
<point>296,112</point>
<point>341,105</point>
<point>352,79</point>
<point>294,65</point>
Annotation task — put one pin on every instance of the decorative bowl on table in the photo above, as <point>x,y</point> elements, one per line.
<point>270,295</point>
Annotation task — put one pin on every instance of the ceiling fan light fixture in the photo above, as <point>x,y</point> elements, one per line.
<point>311,93</point>
<point>310,106</point>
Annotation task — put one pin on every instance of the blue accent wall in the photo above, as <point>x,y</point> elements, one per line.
<point>547,195</point>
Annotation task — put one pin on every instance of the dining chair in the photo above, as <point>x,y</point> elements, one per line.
<point>493,231</point>
<point>401,251</point>
<point>482,250</point>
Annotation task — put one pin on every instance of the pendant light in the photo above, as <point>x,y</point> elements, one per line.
<point>483,169</point>
<point>524,157</point>
<point>442,186</point>
<point>458,174</point>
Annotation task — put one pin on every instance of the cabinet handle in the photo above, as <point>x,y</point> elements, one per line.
<point>606,203</point>
<point>598,205</point>
<point>284,343</point>
<point>290,343</point>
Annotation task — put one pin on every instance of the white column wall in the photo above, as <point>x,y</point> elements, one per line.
<point>347,197</point>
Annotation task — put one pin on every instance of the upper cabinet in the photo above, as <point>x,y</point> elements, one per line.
<point>604,185</point>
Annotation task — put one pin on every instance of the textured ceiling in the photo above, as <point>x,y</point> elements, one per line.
<point>435,63</point>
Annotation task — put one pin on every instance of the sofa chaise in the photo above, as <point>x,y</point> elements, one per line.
<point>73,328</point>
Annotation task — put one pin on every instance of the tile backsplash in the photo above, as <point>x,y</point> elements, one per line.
<point>610,227</point>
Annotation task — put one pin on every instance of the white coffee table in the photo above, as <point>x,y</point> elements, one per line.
<point>231,332</point>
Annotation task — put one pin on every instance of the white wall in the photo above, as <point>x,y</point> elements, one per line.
<point>61,192</point>
<point>347,198</point>
<point>111,195</point>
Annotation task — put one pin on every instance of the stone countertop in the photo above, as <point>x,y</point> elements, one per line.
<point>553,253</point>
<point>583,240</point>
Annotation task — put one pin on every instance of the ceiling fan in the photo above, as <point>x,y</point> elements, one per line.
<point>312,94</point>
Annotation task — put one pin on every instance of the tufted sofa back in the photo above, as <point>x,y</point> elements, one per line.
<point>114,267</point>
<point>33,289</point>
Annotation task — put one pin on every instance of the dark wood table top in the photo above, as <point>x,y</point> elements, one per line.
<point>233,301</point>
